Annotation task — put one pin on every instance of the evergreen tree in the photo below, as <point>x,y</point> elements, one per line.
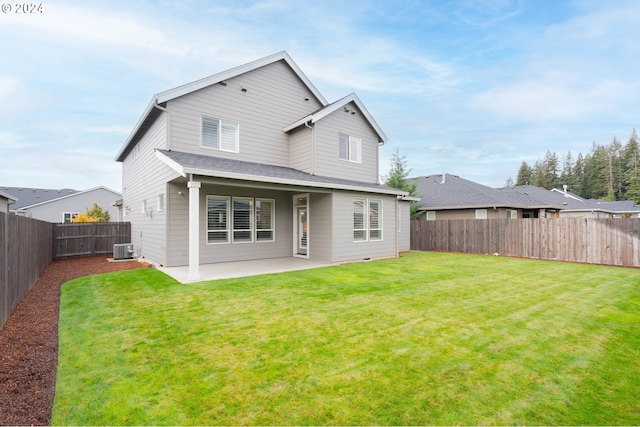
<point>595,179</point>
<point>609,171</point>
<point>525,174</point>
<point>399,178</point>
<point>631,175</point>
<point>567,175</point>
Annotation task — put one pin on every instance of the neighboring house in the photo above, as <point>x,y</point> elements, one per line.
<point>446,196</point>
<point>59,206</point>
<point>5,201</point>
<point>254,163</point>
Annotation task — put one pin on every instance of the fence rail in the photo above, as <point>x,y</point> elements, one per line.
<point>27,246</point>
<point>608,241</point>
<point>89,239</point>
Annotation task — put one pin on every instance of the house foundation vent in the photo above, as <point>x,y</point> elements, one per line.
<point>123,251</point>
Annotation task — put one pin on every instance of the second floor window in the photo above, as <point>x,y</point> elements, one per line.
<point>219,135</point>
<point>350,148</point>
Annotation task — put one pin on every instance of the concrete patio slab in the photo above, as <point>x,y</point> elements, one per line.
<point>227,270</point>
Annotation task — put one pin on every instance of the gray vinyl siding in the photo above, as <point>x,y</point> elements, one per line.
<point>404,230</point>
<point>54,210</point>
<point>274,98</point>
<point>320,225</point>
<point>4,205</point>
<point>233,251</point>
<point>144,177</point>
<point>301,146</point>
<point>345,249</point>
<point>327,131</point>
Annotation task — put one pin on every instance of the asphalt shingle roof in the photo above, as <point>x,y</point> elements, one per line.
<point>446,191</point>
<point>213,166</point>
<point>33,196</point>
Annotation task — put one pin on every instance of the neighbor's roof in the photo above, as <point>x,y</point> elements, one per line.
<point>152,112</point>
<point>30,197</point>
<point>26,196</point>
<point>446,191</point>
<point>334,106</point>
<point>8,196</point>
<point>197,164</point>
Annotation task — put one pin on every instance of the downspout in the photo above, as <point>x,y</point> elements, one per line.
<point>398,227</point>
<point>313,147</point>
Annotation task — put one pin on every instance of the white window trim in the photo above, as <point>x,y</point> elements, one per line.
<point>512,214</point>
<point>230,230</point>
<point>144,207</point>
<point>221,122</point>
<point>430,216</point>
<point>273,220</point>
<point>354,148</point>
<point>481,214</point>
<point>161,202</point>
<point>251,228</point>
<point>227,225</point>
<point>71,216</point>
<point>379,202</point>
<point>366,220</point>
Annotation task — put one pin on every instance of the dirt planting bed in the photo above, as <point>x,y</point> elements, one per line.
<point>29,342</point>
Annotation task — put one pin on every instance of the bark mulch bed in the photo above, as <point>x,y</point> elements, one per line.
<point>29,342</point>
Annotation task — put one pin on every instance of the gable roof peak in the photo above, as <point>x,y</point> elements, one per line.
<point>184,89</point>
<point>335,106</point>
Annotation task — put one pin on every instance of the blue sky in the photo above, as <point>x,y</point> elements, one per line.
<point>467,87</point>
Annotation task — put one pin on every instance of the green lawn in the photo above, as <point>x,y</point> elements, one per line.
<point>430,338</point>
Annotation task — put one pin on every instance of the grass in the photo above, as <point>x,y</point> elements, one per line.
<point>427,339</point>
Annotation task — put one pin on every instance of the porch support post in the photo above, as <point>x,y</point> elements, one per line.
<point>194,231</point>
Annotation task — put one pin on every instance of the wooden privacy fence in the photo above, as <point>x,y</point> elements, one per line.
<point>25,251</point>
<point>608,241</point>
<point>89,239</point>
<point>27,246</point>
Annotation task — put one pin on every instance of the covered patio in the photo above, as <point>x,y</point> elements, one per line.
<point>227,270</point>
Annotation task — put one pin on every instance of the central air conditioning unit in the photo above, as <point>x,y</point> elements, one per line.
<point>123,251</point>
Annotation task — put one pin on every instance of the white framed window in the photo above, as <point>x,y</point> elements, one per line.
<point>160,202</point>
<point>481,214</point>
<point>367,219</point>
<point>359,220</point>
<point>217,219</point>
<point>67,217</point>
<point>219,135</point>
<point>349,148</point>
<point>242,219</point>
<point>375,219</point>
<point>265,215</point>
<point>431,216</point>
<point>144,207</point>
<point>512,214</point>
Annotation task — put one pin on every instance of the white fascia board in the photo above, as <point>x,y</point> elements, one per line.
<point>171,163</point>
<point>352,97</point>
<point>300,122</point>
<point>8,196</point>
<point>236,71</point>
<point>136,128</point>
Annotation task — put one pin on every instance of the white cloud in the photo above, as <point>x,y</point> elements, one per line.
<point>92,28</point>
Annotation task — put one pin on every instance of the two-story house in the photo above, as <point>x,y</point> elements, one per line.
<point>254,163</point>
